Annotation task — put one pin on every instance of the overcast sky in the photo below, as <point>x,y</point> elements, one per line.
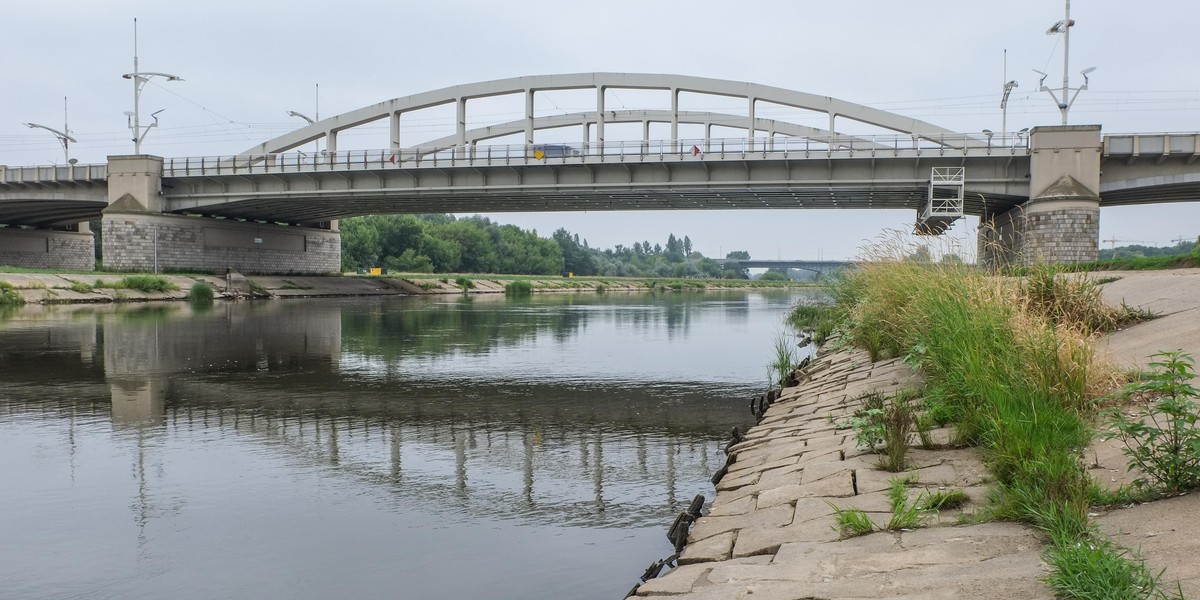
<point>247,63</point>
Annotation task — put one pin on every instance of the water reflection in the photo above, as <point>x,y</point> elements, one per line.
<point>579,412</point>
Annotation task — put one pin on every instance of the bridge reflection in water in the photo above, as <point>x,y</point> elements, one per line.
<point>353,392</point>
<point>460,447</point>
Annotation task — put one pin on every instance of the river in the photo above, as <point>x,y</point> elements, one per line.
<point>464,447</point>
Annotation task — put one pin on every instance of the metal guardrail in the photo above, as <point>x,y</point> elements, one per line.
<point>641,151</point>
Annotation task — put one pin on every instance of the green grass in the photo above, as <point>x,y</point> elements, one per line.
<point>1008,362</point>
<point>148,283</point>
<point>80,287</point>
<point>518,288</point>
<point>945,499</point>
<point>818,318</point>
<point>9,296</point>
<point>141,283</point>
<point>851,522</point>
<point>906,513</point>
<point>257,290</point>
<point>1140,263</point>
<point>783,361</point>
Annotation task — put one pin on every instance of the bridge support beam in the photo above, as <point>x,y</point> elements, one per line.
<point>1061,221</point>
<point>139,237</point>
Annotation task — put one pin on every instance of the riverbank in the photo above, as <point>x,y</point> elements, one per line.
<point>778,528</point>
<point>71,288</point>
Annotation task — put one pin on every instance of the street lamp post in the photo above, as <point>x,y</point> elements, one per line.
<point>139,79</point>
<point>1008,88</point>
<point>64,136</point>
<point>1064,101</point>
<point>292,113</point>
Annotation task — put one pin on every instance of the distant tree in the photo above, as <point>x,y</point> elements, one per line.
<point>687,246</point>
<point>576,258</point>
<point>921,255</point>
<point>738,255</point>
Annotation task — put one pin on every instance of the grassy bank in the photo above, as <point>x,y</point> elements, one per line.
<point>1008,362</point>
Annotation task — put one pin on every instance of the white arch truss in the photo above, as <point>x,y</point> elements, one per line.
<point>645,117</point>
<point>459,95</point>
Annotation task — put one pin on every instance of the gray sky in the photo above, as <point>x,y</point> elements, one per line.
<point>246,63</point>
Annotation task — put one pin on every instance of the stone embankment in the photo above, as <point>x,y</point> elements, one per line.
<point>771,530</point>
<point>81,288</point>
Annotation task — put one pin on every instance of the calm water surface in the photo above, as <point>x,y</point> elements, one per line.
<point>365,448</point>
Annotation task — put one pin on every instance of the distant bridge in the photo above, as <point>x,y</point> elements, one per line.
<point>817,266</point>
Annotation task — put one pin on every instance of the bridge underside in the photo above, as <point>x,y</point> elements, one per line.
<point>310,209</point>
<point>47,214</point>
<point>574,184</point>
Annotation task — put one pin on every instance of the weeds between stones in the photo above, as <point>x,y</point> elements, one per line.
<point>887,420</point>
<point>907,513</point>
<point>1007,361</point>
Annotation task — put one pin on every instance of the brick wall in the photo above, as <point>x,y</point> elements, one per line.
<point>213,245</point>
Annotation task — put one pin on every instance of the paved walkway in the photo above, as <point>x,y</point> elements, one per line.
<point>1166,532</point>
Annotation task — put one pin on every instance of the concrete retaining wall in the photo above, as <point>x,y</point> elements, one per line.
<point>142,242</point>
<point>47,249</point>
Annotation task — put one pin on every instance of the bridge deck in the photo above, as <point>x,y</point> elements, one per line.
<point>833,172</point>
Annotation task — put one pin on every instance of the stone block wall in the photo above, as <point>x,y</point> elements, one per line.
<point>1063,235</point>
<point>47,249</point>
<point>213,245</point>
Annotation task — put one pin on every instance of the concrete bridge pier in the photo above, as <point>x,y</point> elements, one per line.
<point>139,236</point>
<point>1061,221</point>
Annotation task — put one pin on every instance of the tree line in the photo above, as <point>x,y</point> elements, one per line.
<point>446,244</point>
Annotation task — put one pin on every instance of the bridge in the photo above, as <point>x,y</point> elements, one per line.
<point>273,208</point>
<point>816,266</point>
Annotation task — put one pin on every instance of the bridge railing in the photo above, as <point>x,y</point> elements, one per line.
<point>840,146</point>
<point>53,174</point>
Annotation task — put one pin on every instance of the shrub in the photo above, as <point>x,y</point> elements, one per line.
<point>1162,439</point>
<point>819,318</point>
<point>518,288</point>
<point>200,292</point>
<point>600,289</point>
<point>888,421</point>
<point>465,283</point>
<point>1074,301</point>
<point>9,295</point>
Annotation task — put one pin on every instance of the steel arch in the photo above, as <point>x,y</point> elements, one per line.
<point>392,109</point>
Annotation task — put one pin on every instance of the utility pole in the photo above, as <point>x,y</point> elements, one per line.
<point>64,136</point>
<point>1066,100</point>
<point>139,81</point>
